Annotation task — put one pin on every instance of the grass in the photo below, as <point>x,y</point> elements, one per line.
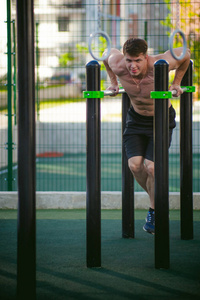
<point>57,102</point>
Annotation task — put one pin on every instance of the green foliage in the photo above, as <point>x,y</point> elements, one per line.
<point>187,17</point>
<point>66,58</point>
<point>83,49</point>
<point>103,87</point>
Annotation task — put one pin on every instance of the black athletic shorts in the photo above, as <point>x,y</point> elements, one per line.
<point>138,134</point>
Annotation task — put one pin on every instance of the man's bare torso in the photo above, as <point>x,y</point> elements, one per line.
<point>139,93</point>
<point>138,89</point>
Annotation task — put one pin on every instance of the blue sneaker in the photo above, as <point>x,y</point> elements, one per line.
<point>150,222</point>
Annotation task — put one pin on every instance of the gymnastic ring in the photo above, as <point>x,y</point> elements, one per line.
<point>105,35</point>
<point>184,44</point>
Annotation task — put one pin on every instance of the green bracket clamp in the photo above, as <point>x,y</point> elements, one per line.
<point>161,95</point>
<point>168,94</point>
<point>188,89</point>
<point>93,94</point>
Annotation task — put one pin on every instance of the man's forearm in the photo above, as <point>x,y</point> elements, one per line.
<point>180,71</point>
<point>112,76</point>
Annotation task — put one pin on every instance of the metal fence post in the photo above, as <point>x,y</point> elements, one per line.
<point>14,74</point>
<point>161,158</point>
<point>37,70</point>
<point>93,197</point>
<point>186,189</point>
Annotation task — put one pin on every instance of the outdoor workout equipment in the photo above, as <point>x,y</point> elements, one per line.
<point>161,167</point>
<point>128,223</point>
<point>161,125</point>
<point>100,94</point>
<point>93,194</point>
<point>99,33</point>
<point>154,94</point>
<point>26,225</point>
<point>186,188</point>
<point>93,197</point>
<point>176,31</point>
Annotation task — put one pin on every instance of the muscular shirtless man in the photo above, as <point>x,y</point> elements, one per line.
<point>134,69</point>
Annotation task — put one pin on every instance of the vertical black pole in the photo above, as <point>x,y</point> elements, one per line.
<point>161,133</point>
<point>93,197</point>
<point>26,254</point>
<point>128,230</point>
<point>186,186</point>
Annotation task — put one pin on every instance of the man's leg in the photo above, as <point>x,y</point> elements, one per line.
<point>150,181</point>
<point>144,175</point>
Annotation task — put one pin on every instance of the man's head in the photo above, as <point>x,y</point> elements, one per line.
<point>135,47</point>
<point>135,57</point>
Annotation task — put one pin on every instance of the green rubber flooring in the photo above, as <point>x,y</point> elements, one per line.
<point>128,267</point>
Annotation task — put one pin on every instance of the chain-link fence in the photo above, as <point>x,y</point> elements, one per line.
<point>62,29</point>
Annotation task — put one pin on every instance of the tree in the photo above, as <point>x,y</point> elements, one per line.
<point>189,23</point>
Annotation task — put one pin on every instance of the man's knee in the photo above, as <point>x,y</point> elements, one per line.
<point>135,165</point>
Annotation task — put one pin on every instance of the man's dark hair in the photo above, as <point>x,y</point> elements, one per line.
<point>135,47</point>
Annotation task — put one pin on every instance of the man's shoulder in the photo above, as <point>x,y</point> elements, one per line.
<point>116,61</point>
<point>115,56</point>
<point>164,56</point>
<point>151,60</point>
<point>115,51</point>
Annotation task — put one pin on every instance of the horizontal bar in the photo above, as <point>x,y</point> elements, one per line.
<point>100,94</point>
<point>110,93</point>
<point>187,89</point>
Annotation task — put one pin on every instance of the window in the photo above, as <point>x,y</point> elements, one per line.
<point>63,24</point>
<point>67,3</point>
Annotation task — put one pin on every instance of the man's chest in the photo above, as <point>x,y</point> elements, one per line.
<point>138,89</point>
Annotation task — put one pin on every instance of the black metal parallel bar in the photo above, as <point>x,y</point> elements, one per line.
<point>26,250</point>
<point>93,197</point>
<point>161,133</point>
<point>110,93</point>
<point>128,230</point>
<point>186,187</point>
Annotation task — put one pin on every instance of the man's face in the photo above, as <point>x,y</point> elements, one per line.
<point>136,65</point>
